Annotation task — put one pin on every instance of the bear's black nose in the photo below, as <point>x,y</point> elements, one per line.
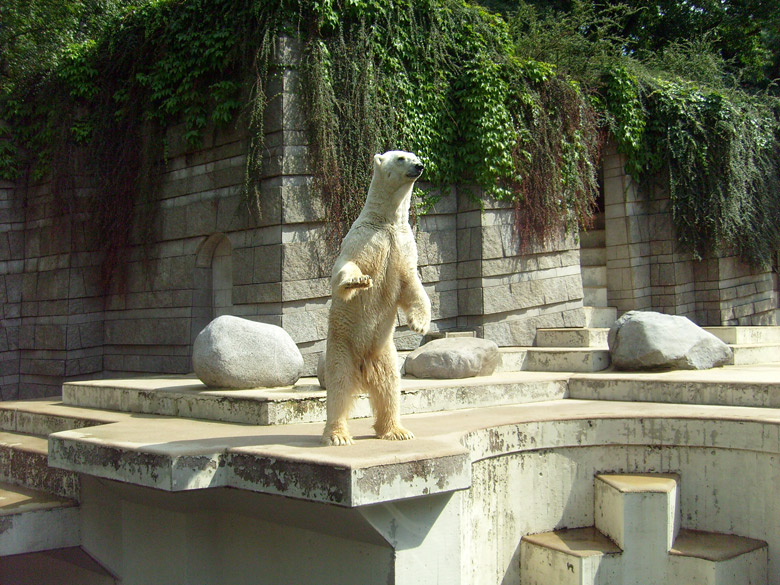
<point>419,168</point>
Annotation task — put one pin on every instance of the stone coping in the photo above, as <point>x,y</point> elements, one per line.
<point>182,454</point>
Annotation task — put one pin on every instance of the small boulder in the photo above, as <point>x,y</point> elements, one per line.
<point>641,340</point>
<point>238,353</point>
<point>454,357</point>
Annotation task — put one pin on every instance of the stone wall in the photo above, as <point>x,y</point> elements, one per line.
<point>647,270</point>
<point>207,251</point>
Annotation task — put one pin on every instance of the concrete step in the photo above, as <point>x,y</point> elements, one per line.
<point>594,276</point>
<point>595,238</point>
<point>637,538</point>
<point>33,521</point>
<point>600,316</point>
<point>572,337</point>
<point>594,296</point>
<point>187,397</point>
<point>553,359</point>
<point>744,354</point>
<point>567,359</point>
<point>45,416</point>
<point>593,257</point>
<point>567,557</point>
<point>24,462</point>
<point>727,386</point>
<point>768,334</point>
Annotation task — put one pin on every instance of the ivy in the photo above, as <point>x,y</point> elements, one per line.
<point>473,93</point>
<point>720,153</point>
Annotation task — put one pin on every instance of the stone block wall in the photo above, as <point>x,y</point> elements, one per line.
<point>646,270</point>
<point>505,293</point>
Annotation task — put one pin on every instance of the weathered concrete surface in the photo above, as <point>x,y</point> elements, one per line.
<point>637,538</point>
<point>303,402</point>
<point>728,386</point>
<point>33,521</point>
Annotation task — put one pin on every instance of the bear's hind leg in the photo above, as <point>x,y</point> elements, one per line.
<point>342,388</point>
<point>384,387</point>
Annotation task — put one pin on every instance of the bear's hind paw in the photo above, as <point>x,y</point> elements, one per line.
<point>337,439</point>
<point>397,434</point>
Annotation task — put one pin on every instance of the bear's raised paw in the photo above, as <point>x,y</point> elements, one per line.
<point>362,281</point>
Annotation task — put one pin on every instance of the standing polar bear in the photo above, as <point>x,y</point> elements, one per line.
<point>374,274</point>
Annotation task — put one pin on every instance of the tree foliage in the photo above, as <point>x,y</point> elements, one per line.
<point>511,97</point>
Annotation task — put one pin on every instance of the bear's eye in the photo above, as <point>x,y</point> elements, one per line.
<point>402,158</point>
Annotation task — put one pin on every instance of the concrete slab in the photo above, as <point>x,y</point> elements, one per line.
<point>181,454</point>
<point>757,386</point>
<point>572,337</point>
<point>44,416</point>
<point>305,401</point>
<point>32,521</point>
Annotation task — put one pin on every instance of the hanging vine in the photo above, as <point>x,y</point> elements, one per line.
<point>446,79</point>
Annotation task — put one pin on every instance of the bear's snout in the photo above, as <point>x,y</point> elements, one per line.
<point>416,170</point>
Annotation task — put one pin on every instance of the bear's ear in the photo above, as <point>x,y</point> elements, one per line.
<point>379,159</point>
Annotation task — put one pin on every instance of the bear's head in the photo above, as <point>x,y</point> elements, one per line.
<point>396,167</point>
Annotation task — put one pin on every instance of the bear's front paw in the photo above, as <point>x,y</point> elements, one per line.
<point>398,433</point>
<point>337,438</point>
<point>362,281</point>
<point>419,322</point>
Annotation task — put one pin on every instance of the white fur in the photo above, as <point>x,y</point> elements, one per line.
<point>374,274</point>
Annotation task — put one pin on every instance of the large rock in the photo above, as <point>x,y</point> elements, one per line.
<point>642,340</point>
<point>454,357</point>
<point>237,353</point>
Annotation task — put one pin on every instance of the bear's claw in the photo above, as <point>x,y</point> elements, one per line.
<point>362,281</point>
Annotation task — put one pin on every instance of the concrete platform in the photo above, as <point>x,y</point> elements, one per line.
<point>181,454</point>
<point>754,385</point>
<point>305,401</point>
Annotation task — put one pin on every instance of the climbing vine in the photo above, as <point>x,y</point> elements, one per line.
<point>447,79</point>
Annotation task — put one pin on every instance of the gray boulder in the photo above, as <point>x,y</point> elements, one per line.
<point>237,353</point>
<point>454,357</point>
<point>641,340</point>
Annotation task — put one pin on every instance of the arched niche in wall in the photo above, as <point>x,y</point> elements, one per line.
<point>212,293</point>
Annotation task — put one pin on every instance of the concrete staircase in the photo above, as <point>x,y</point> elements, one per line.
<point>593,263</point>
<point>750,345</point>
<point>39,508</point>
<point>637,538</point>
<point>585,349</point>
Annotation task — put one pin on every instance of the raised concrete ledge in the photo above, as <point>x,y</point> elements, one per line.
<point>756,386</point>
<point>181,454</point>
<point>305,401</point>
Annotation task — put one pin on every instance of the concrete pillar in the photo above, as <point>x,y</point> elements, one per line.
<point>424,534</point>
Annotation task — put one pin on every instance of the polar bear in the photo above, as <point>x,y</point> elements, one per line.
<point>374,274</point>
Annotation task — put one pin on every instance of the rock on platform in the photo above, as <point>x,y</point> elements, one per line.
<point>642,340</point>
<point>454,357</point>
<point>238,353</point>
